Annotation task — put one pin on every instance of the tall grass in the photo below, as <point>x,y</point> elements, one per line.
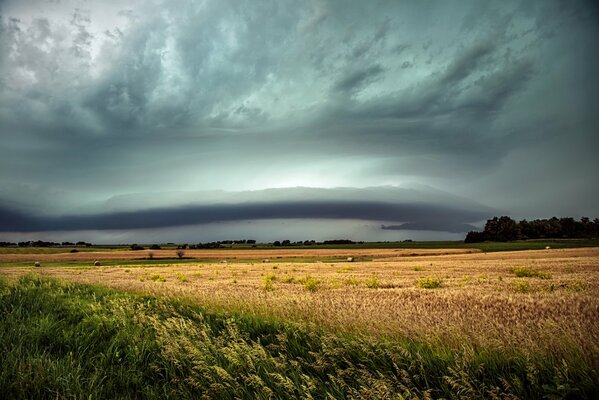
<point>60,340</point>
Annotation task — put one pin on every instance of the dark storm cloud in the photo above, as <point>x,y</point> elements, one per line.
<point>426,216</point>
<point>444,226</point>
<point>131,97</point>
<point>357,79</point>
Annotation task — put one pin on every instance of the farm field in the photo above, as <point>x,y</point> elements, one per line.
<point>445,323</point>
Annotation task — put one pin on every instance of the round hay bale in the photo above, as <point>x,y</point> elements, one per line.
<point>97,263</point>
<point>266,260</point>
<point>37,264</point>
<point>547,247</point>
<point>350,259</point>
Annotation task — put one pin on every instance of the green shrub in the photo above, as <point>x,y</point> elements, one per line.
<point>521,286</point>
<point>429,283</point>
<point>310,284</point>
<point>268,280</point>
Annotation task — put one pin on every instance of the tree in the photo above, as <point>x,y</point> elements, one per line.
<point>475,237</point>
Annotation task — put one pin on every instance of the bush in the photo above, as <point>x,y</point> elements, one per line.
<point>429,283</point>
<point>310,284</point>
<point>136,247</point>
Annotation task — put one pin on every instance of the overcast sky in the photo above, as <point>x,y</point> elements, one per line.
<point>206,120</point>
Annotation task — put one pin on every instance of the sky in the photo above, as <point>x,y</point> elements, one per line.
<point>192,121</point>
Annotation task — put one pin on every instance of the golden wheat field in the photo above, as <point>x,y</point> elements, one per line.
<point>534,301</point>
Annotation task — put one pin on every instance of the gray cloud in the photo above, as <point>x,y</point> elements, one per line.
<point>358,79</point>
<point>427,217</point>
<point>128,97</point>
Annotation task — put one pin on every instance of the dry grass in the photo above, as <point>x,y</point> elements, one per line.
<point>16,255</point>
<point>480,299</point>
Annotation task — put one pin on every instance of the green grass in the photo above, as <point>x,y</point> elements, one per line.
<point>60,340</point>
<point>537,244</point>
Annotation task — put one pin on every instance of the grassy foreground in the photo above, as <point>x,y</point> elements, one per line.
<point>60,340</point>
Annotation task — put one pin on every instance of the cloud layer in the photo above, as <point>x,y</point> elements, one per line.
<point>495,101</point>
<point>418,209</point>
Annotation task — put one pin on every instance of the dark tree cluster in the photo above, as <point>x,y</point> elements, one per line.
<point>41,243</point>
<point>505,229</point>
<point>339,241</point>
<point>221,243</point>
<point>278,243</point>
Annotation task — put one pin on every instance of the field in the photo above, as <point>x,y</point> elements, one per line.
<point>395,323</point>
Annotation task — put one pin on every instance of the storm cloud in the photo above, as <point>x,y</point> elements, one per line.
<point>493,102</point>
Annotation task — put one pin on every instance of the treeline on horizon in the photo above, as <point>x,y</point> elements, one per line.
<point>505,229</point>
<point>42,243</point>
<point>208,245</point>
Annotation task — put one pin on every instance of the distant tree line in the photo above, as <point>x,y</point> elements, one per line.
<point>505,229</point>
<point>41,243</point>
<point>277,243</point>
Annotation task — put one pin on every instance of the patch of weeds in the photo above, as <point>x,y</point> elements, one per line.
<point>267,284</point>
<point>351,281</point>
<point>275,267</point>
<point>521,286</point>
<point>372,283</point>
<point>288,279</point>
<point>157,278</point>
<point>344,270</point>
<point>336,284</point>
<point>182,278</point>
<point>576,286</point>
<point>418,268</point>
<point>429,283</point>
<point>309,283</point>
<point>524,272</point>
<point>548,288</point>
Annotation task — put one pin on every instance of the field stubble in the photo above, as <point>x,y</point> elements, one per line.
<point>479,301</point>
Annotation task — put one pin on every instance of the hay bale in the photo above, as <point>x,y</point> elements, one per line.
<point>97,263</point>
<point>547,247</point>
<point>37,264</point>
<point>350,259</point>
<point>266,260</point>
